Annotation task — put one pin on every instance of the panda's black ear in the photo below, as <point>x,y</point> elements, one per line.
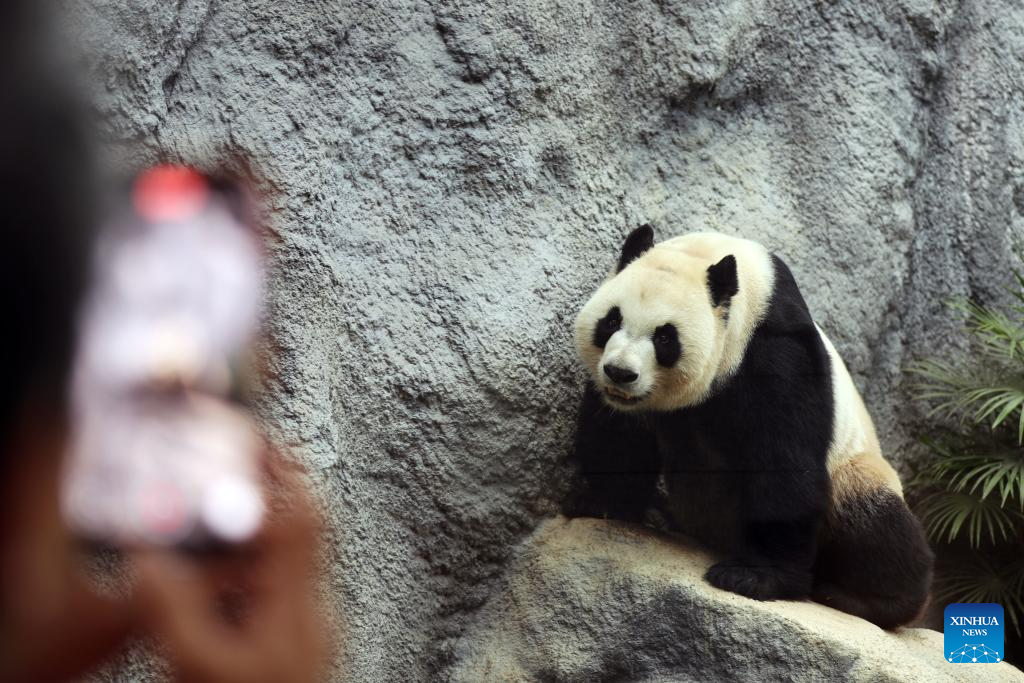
<point>722,280</point>
<point>639,241</point>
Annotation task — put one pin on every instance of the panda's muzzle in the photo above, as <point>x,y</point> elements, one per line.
<point>620,396</point>
<point>620,377</point>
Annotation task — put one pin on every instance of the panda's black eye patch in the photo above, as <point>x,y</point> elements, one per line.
<point>607,326</point>
<point>666,345</point>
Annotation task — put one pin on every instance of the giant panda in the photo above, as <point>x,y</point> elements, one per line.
<point>708,374</point>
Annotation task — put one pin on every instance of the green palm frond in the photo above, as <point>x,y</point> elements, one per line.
<point>974,481</point>
<point>1000,337</point>
<point>978,395</point>
<point>977,466</point>
<point>946,514</point>
<point>1018,291</point>
<point>982,580</point>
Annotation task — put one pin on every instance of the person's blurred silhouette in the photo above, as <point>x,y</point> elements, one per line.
<point>246,615</point>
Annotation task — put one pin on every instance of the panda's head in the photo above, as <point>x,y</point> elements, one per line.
<point>656,335</point>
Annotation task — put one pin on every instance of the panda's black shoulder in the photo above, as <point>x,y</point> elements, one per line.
<point>787,343</point>
<point>787,310</point>
<point>783,386</point>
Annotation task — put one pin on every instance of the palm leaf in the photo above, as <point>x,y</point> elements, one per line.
<point>983,475</point>
<point>980,396</point>
<point>1000,337</point>
<point>982,580</point>
<point>976,475</point>
<point>1018,291</point>
<point>948,513</point>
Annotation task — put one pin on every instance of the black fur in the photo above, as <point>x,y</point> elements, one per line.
<point>723,283</point>
<point>638,241</point>
<point>745,473</point>
<point>607,326</point>
<point>874,561</point>
<point>666,345</point>
<point>618,463</point>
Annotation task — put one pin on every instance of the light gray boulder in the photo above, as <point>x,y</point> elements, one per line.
<point>448,181</point>
<point>588,600</point>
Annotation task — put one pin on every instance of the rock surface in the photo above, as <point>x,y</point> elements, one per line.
<point>588,600</point>
<point>449,180</point>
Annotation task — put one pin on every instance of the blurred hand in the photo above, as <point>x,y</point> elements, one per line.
<point>247,614</point>
<point>53,626</point>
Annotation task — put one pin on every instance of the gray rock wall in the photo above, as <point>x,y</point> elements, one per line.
<point>449,180</point>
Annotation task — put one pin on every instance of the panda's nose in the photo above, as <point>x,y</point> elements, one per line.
<point>620,375</point>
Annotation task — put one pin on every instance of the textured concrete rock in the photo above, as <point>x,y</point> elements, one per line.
<point>449,180</point>
<point>590,600</point>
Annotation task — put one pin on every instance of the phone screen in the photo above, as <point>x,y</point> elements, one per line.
<point>159,453</point>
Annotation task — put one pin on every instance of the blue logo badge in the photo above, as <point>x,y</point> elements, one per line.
<point>973,633</point>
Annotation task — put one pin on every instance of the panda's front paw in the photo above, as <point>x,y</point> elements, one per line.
<point>760,582</point>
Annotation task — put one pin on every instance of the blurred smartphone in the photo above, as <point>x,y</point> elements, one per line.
<point>160,453</point>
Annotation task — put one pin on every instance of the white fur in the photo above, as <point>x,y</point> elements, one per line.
<point>853,432</point>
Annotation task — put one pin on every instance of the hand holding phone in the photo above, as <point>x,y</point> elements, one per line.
<point>160,453</point>
<point>247,616</point>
